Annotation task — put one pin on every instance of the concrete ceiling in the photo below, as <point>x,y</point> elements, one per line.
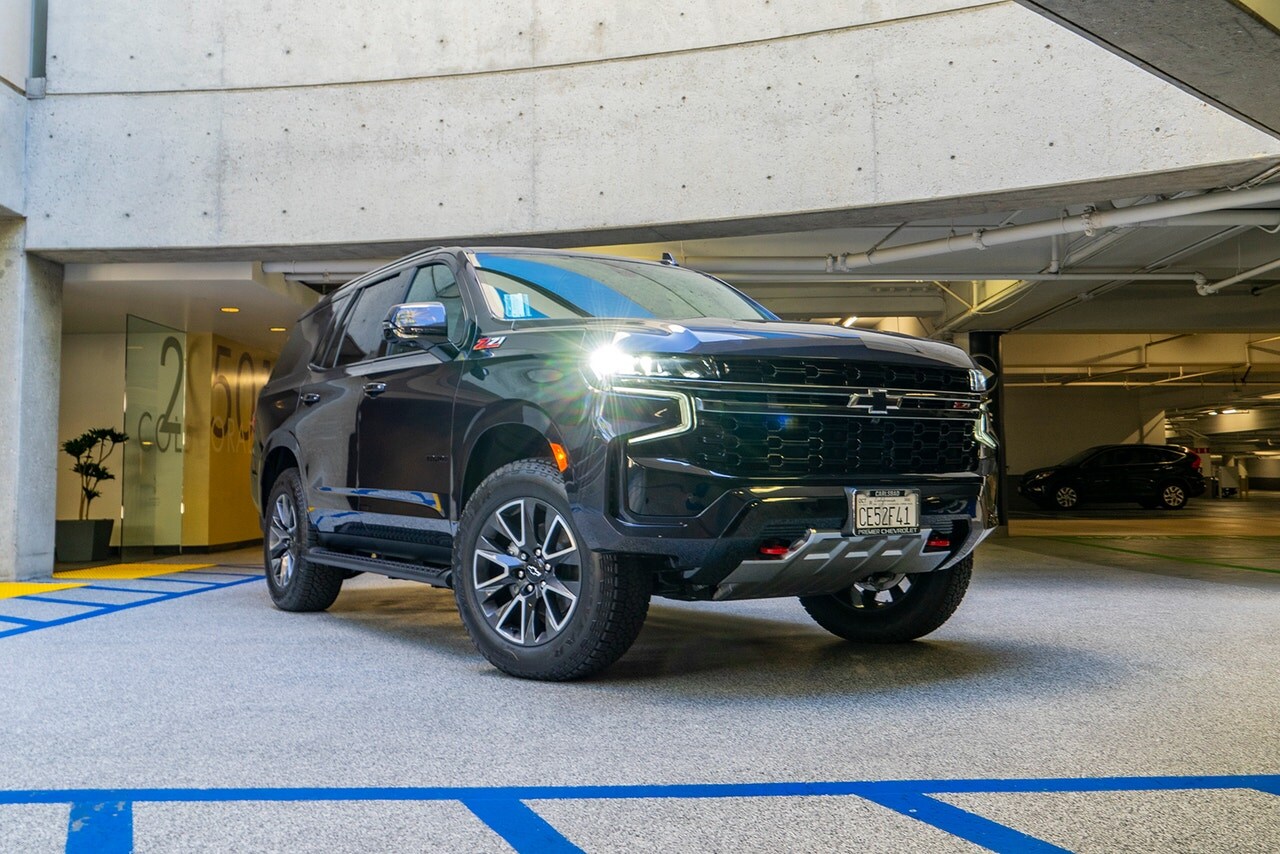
<point>97,298</point>
<point>1223,52</point>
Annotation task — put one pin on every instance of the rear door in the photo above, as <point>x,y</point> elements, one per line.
<point>405,426</point>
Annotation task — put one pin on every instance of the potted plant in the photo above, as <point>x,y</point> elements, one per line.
<point>85,539</point>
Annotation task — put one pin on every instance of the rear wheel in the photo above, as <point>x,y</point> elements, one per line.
<point>536,601</point>
<point>892,608</point>
<point>1172,496</point>
<point>295,583</point>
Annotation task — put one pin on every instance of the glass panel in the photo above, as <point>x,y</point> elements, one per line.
<point>155,394</point>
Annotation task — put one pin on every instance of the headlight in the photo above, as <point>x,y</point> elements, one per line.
<point>609,362</point>
<point>1036,478</point>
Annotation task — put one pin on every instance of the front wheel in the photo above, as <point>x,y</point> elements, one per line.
<point>535,600</point>
<point>890,608</point>
<point>1065,496</point>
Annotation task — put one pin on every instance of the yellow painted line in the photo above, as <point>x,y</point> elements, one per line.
<point>123,571</point>
<point>10,589</point>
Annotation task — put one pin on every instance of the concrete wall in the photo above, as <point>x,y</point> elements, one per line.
<point>574,142</point>
<point>148,45</point>
<point>1045,426</point>
<point>30,329</point>
<point>92,395</point>
<point>15,57</point>
<point>13,140</point>
<point>15,42</point>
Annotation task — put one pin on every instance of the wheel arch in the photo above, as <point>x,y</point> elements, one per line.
<point>527,436</point>
<point>277,460</point>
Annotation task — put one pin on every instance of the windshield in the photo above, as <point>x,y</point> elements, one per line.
<point>563,287</point>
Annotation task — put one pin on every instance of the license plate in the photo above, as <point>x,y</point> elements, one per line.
<point>886,511</point>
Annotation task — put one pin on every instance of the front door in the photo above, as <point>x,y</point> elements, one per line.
<point>405,429</point>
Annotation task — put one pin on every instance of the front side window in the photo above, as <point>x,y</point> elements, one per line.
<point>532,287</point>
<point>362,339</point>
<point>436,283</point>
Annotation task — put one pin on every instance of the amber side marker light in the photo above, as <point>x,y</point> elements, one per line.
<point>562,456</point>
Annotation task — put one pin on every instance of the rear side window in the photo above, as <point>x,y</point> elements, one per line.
<point>361,336</point>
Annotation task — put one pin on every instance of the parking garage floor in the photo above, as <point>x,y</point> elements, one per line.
<point>1114,693</point>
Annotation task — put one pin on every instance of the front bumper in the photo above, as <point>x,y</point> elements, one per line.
<point>716,553</point>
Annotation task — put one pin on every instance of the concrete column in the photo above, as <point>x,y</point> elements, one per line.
<point>30,352</point>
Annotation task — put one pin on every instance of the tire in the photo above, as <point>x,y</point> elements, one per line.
<point>1065,496</point>
<point>557,616</point>
<point>1172,495</point>
<point>295,583</point>
<point>925,601</point>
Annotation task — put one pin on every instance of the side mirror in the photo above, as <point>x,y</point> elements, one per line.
<point>411,322</point>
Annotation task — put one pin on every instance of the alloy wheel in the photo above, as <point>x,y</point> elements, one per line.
<point>1174,496</point>
<point>527,571</point>
<point>281,536</point>
<point>1066,497</point>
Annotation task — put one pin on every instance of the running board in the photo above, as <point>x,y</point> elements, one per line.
<point>436,576</point>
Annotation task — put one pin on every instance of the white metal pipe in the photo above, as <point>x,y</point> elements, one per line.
<point>1086,223</point>
<point>1212,288</point>
<point>320,268</point>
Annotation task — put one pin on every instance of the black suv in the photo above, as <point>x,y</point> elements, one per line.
<point>1152,475</point>
<point>559,436</point>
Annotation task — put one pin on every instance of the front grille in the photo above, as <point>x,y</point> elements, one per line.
<point>841,372</point>
<point>764,445</point>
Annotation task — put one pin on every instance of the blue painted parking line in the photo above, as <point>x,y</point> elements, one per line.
<point>31,597</point>
<point>99,609</point>
<point>506,811</point>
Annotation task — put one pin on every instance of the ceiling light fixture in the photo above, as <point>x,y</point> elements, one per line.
<point>1213,412</point>
<point>276,329</point>
<point>229,309</point>
<point>849,321</point>
<point>1230,411</point>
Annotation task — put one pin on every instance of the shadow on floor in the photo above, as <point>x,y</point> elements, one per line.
<point>743,656</point>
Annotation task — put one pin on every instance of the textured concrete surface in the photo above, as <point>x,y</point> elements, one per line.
<point>34,828</point>
<point>303,828</point>
<point>30,354</point>
<point>1062,662</point>
<point>843,824</point>
<point>13,141</point>
<point>1240,821</point>
<point>622,146</point>
<point>97,45</point>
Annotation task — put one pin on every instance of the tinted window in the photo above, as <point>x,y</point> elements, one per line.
<point>436,283</point>
<point>1113,457</point>
<point>362,335</point>
<point>1147,456</point>
<point>541,287</point>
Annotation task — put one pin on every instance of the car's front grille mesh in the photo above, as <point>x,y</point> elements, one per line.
<point>843,373</point>
<point>764,445</point>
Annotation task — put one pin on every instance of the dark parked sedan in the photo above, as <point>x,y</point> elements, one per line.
<point>1152,475</point>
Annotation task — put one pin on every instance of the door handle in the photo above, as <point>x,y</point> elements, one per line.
<point>310,397</point>
<point>374,389</point>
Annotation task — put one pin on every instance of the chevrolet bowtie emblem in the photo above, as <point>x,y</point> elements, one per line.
<point>876,401</point>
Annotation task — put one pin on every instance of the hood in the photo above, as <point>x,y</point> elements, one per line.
<point>766,339</point>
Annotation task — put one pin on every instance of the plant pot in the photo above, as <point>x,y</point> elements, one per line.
<point>80,540</point>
